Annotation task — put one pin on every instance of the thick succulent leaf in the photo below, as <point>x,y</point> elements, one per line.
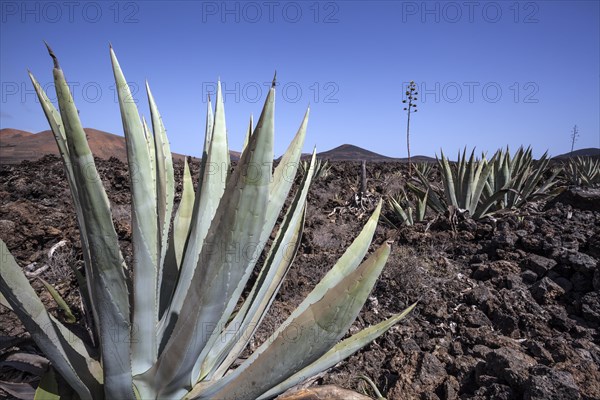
<point>466,200</point>
<point>305,338</point>
<point>227,260</point>
<point>211,189</point>
<point>485,206</point>
<point>27,362</point>
<point>422,206</point>
<point>48,388</point>
<point>165,180</point>
<point>26,304</point>
<point>56,125</point>
<point>108,286</point>
<point>347,263</point>
<point>248,134</point>
<point>210,121</point>
<point>69,317</point>
<point>433,199</point>
<point>283,178</point>
<point>18,390</point>
<point>183,216</point>
<point>55,122</point>
<point>399,211</point>
<point>484,170</point>
<point>177,240</point>
<point>151,150</point>
<point>144,231</point>
<point>339,352</point>
<point>449,187</point>
<point>234,338</point>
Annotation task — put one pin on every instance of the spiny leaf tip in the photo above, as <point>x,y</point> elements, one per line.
<point>54,59</point>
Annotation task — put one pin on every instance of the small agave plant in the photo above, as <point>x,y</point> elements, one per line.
<point>186,322</point>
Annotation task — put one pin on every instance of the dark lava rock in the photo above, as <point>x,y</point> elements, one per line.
<point>545,290</point>
<point>564,283</point>
<point>550,384</point>
<point>451,388</point>
<point>581,282</point>
<point>510,365</point>
<point>431,371</point>
<point>538,264</point>
<point>495,391</point>
<point>481,296</point>
<point>581,262</point>
<point>590,307</point>
<point>477,318</point>
<point>559,318</point>
<point>594,245</point>
<point>529,276</point>
<point>537,350</point>
<point>581,198</point>
<point>504,238</point>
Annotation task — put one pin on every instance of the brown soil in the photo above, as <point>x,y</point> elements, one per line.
<point>509,308</point>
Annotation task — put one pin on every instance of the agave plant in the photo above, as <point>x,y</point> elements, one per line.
<point>582,171</point>
<point>482,187</point>
<point>425,169</point>
<point>463,185</point>
<point>186,322</point>
<point>322,169</point>
<point>404,210</point>
<point>517,180</point>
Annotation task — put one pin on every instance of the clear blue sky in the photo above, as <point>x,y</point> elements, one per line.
<point>490,74</point>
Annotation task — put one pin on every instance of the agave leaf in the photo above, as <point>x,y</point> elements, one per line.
<point>227,346</point>
<point>483,172</point>
<point>70,318</point>
<point>422,206</point>
<point>144,231</point>
<point>178,237</point>
<point>211,189</point>
<point>27,362</point>
<point>5,302</point>
<point>151,150</point>
<point>283,178</point>
<point>56,125</point>
<point>18,390</point>
<point>26,304</point>
<point>484,207</point>
<point>304,338</point>
<point>339,352</point>
<point>165,180</point>
<point>466,200</point>
<point>108,279</point>
<point>226,262</point>
<point>448,180</point>
<point>400,211</point>
<point>53,118</point>
<point>434,201</point>
<point>48,388</point>
<point>248,134</point>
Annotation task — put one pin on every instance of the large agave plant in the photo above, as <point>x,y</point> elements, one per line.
<point>518,179</point>
<point>482,186</point>
<point>463,184</point>
<point>582,171</point>
<point>186,322</point>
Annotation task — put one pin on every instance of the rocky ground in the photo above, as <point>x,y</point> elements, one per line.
<point>509,307</point>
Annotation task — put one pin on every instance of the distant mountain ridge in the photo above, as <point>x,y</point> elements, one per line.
<point>588,152</point>
<point>350,152</point>
<point>17,145</point>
